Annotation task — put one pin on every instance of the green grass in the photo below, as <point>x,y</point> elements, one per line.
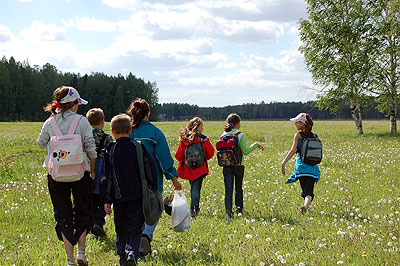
<point>354,219</point>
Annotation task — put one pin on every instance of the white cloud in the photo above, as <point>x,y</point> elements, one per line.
<point>189,47</point>
<point>44,32</point>
<point>5,34</point>
<point>91,24</point>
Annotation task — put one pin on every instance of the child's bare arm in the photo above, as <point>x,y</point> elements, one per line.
<point>291,152</point>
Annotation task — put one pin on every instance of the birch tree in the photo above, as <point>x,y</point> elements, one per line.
<point>337,50</point>
<point>386,70</point>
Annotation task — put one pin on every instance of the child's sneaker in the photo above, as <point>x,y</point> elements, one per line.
<point>81,259</point>
<point>98,230</point>
<point>146,246</point>
<point>303,209</point>
<point>71,263</point>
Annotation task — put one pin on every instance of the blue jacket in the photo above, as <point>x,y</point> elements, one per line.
<point>156,144</point>
<point>126,170</point>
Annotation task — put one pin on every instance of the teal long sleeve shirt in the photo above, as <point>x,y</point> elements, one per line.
<point>156,144</point>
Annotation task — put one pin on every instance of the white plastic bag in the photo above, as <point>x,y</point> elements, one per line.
<point>180,214</point>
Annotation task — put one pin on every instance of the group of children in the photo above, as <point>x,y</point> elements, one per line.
<point>113,175</point>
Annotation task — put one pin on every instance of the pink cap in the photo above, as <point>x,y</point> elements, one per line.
<point>300,118</point>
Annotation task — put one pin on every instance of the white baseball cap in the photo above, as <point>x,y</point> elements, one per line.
<point>73,95</point>
<point>302,117</point>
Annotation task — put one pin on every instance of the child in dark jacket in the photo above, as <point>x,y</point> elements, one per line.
<point>190,135</point>
<point>95,116</point>
<point>123,189</point>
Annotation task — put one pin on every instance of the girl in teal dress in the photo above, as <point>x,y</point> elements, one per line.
<point>308,175</point>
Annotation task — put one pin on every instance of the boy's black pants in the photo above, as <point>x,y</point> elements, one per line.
<point>128,219</point>
<point>98,211</point>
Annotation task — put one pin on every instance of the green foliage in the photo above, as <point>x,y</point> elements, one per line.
<point>25,90</point>
<point>337,44</point>
<point>354,218</point>
<point>386,18</point>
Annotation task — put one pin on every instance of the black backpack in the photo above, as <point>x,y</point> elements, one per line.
<point>311,150</point>
<point>194,155</point>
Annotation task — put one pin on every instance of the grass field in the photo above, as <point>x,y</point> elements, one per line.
<point>354,219</point>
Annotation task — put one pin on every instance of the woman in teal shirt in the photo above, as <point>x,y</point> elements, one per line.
<point>156,144</point>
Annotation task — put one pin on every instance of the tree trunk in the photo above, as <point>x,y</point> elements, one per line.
<point>356,114</point>
<point>393,114</point>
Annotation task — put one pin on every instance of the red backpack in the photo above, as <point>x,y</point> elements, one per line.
<point>228,150</point>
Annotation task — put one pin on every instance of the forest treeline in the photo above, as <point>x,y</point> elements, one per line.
<point>25,90</point>
<point>261,111</point>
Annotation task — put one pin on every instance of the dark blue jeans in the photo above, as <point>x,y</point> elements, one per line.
<point>128,219</point>
<point>233,175</point>
<point>195,188</point>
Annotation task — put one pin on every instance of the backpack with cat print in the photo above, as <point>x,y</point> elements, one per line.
<point>311,150</point>
<point>228,150</point>
<point>194,155</point>
<point>68,162</point>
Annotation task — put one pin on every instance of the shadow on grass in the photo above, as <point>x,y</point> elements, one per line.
<point>385,135</point>
<point>202,255</point>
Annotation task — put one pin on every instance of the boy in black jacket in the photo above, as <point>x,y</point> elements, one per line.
<point>121,186</point>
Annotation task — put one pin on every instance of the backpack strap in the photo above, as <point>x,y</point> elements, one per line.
<point>74,124</point>
<point>139,153</point>
<point>113,174</point>
<point>55,127</point>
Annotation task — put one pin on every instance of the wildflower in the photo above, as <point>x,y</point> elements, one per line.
<point>339,262</point>
<point>194,250</point>
<point>169,246</point>
<point>248,236</point>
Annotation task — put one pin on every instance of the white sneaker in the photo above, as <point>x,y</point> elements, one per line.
<point>81,259</point>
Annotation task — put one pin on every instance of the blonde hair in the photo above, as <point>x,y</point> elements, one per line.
<point>138,109</point>
<point>191,131</point>
<point>95,116</point>
<point>232,120</point>
<point>121,124</point>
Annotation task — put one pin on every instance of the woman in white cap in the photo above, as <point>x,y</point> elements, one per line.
<point>73,219</point>
<point>306,173</point>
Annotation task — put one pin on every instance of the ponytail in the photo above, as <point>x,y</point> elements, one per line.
<point>232,120</point>
<point>138,110</point>
<point>58,94</point>
<point>308,126</point>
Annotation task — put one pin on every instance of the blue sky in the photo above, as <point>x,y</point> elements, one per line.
<point>204,52</point>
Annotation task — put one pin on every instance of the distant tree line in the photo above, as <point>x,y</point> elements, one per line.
<point>25,90</point>
<point>261,111</point>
